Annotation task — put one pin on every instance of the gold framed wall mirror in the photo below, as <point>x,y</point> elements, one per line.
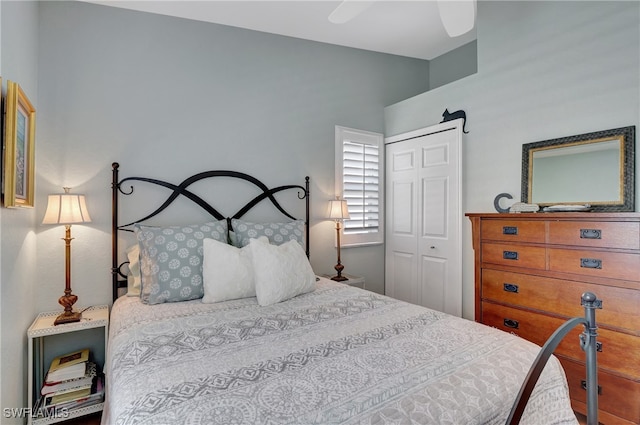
<point>596,169</point>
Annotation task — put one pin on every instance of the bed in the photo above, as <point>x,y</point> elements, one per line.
<point>331,354</point>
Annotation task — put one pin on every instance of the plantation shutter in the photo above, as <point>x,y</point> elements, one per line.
<point>361,181</point>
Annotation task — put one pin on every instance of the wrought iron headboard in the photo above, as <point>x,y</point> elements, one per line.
<point>117,185</point>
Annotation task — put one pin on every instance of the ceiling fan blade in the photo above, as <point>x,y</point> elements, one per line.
<point>348,9</point>
<point>458,16</point>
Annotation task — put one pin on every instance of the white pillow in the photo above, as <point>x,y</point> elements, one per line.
<point>280,271</point>
<point>134,280</point>
<point>227,272</point>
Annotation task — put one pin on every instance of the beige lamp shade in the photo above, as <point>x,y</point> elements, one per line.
<point>65,208</point>
<point>338,210</point>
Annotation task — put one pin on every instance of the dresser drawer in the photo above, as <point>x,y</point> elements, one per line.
<point>620,352</point>
<point>612,265</point>
<point>513,230</point>
<point>618,396</point>
<point>532,257</point>
<point>563,297</point>
<point>624,235</point>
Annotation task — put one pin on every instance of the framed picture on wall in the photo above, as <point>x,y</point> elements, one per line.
<point>19,148</point>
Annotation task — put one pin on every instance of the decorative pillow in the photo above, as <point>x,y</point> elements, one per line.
<point>280,271</point>
<point>134,280</point>
<point>277,233</point>
<point>171,260</point>
<point>227,272</point>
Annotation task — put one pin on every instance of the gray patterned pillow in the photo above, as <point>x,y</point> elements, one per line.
<point>277,233</point>
<point>171,260</point>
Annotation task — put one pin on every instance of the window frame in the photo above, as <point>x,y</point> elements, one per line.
<point>343,134</point>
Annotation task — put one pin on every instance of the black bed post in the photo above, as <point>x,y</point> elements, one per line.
<point>588,344</point>
<point>306,184</point>
<point>114,230</point>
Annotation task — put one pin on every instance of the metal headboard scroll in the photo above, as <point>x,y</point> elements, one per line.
<point>119,187</point>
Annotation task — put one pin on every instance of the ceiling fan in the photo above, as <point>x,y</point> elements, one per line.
<point>458,16</point>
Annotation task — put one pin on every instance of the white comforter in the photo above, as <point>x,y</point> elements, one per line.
<point>338,355</point>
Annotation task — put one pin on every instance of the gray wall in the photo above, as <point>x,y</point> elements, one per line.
<point>18,283</point>
<point>545,70</point>
<point>168,97</point>
<point>453,66</point>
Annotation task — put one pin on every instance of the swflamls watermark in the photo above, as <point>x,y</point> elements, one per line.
<point>26,412</point>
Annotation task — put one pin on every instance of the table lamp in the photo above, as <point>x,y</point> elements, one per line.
<point>338,211</point>
<point>67,209</point>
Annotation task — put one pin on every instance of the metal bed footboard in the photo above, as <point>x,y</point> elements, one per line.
<point>588,345</point>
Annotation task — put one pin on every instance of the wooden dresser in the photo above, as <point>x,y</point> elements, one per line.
<point>532,268</point>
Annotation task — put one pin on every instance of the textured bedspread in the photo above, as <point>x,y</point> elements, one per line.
<point>338,355</point>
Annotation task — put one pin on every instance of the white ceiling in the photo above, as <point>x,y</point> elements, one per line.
<point>406,28</point>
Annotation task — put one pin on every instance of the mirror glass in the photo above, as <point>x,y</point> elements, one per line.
<point>595,169</point>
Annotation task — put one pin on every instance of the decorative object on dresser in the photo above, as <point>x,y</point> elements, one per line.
<point>521,207</point>
<point>19,148</point>
<point>67,209</point>
<point>596,168</point>
<point>529,269</point>
<point>338,211</point>
<point>496,202</point>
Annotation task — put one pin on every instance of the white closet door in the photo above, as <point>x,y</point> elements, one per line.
<point>423,245</point>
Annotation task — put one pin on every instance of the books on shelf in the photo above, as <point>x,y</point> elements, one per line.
<point>72,382</point>
<point>68,366</point>
<point>95,395</point>
<point>60,362</point>
<point>87,379</point>
<point>73,394</point>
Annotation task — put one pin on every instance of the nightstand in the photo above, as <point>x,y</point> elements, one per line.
<point>357,281</point>
<point>46,341</point>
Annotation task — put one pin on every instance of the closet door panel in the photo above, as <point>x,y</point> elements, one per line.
<point>424,217</point>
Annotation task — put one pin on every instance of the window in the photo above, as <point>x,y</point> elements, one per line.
<point>359,182</point>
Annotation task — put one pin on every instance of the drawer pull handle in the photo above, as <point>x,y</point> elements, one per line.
<point>590,263</point>
<point>510,323</point>
<point>509,230</point>
<point>510,255</point>
<point>510,287</point>
<point>590,234</point>
<point>583,384</point>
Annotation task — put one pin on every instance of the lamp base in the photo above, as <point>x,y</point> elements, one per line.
<point>68,317</point>
<point>339,267</point>
<point>339,278</point>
